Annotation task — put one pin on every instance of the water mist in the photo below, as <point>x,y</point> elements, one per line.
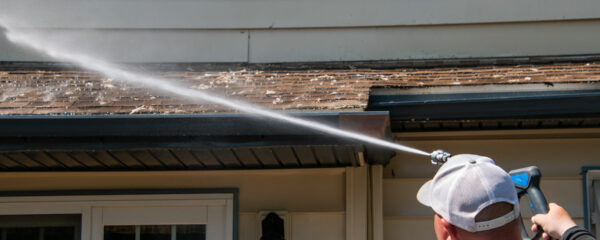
<point>61,53</point>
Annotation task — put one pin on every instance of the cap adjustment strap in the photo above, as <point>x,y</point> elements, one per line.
<point>498,222</point>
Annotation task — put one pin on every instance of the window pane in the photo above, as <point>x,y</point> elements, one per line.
<point>155,232</point>
<point>59,233</point>
<point>46,227</point>
<point>191,232</point>
<point>119,233</point>
<point>22,233</point>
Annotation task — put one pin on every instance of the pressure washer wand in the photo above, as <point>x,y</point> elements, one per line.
<point>439,157</point>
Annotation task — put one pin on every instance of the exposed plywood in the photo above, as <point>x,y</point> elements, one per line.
<point>399,197</point>
<point>293,190</point>
<point>295,14</point>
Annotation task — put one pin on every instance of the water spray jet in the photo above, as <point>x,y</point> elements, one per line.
<point>112,71</point>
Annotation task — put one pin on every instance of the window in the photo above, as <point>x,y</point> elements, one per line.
<point>592,198</point>
<point>119,217</point>
<point>40,227</point>
<point>155,232</point>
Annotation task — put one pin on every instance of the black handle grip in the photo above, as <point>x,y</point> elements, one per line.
<point>531,190</point>
<point>537,201</point>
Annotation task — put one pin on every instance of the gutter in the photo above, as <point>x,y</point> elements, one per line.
<point>39,133</point>
<point>488,105</point>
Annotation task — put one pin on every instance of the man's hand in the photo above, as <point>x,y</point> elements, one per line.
<point>554,223</point>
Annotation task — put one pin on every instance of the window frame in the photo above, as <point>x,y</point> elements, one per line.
<point>590,174</point>
<point>90,204</point>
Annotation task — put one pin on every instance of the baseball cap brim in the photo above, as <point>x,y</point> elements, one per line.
<point>424,194</point>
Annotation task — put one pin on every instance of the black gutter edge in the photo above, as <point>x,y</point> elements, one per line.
<point>372,64</point>
<point>496,105</point>
<point>189,131</point>
<point>165,125</point>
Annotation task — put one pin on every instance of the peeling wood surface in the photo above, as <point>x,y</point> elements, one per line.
<point>72,92</point>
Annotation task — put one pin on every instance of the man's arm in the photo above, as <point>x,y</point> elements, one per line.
<point>577,233</point>
<point>559,225</point>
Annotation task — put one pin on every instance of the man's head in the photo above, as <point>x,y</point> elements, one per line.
<point>472,198</point>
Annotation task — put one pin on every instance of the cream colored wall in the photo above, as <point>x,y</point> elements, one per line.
<point>304,225</point>
<point>314,198</point>
<point>559,154</point>
<point>298,31</point>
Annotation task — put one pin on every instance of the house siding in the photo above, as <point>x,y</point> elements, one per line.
<point>314,198</point>
<point>131,14</point>
<point>559,155</point>
<point>299,31</point>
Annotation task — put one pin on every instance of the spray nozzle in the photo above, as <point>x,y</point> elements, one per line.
<point>439,157</point>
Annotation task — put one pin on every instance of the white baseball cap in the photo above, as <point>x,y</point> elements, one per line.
<point>465,185</point>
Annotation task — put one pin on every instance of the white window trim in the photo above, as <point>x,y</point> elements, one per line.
<point>219,209</point>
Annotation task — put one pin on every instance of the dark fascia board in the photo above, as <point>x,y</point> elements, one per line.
<point>188,131</point>
<point>492,105</point>
<point>170,125</point>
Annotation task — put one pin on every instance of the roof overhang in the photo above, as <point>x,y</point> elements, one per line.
<point>208,141</point>
<point>490,107</point>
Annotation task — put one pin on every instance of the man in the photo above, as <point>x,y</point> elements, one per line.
<point>474,199</point>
